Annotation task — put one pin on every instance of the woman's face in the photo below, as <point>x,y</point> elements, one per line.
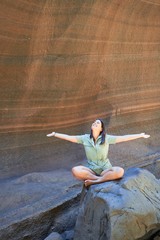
<point>97,125</point>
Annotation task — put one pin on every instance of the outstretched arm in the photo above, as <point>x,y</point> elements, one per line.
<point>63,136</point>
<point>126,138</point>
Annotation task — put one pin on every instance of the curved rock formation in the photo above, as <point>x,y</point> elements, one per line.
<point>64,63</point>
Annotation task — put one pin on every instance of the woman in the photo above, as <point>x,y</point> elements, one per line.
<point>96,145</point>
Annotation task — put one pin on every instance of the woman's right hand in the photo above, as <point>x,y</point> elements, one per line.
<point>63,136</point>
<point>144,135</point>
<point>51,134</point>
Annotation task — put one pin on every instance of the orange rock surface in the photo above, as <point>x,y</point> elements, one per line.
<point>65,63</point>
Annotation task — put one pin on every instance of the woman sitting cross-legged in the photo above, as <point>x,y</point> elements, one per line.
<point>96,145</point>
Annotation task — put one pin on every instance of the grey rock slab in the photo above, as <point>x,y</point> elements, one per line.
<point>54,236</point>
<point>126,209</point>
<point>31,203</point>
<point>68,235</point>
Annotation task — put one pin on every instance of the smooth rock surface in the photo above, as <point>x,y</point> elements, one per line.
<point>65,63</point>
<point>68,235</point>
<point>54,236</point>
<point>36,204</point>
<point>127,209</point>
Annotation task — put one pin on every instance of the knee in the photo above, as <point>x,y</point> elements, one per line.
<point>120,172</point>
<point>75,171</point>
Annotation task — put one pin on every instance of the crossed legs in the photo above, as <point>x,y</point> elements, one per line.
<point>89,177</point>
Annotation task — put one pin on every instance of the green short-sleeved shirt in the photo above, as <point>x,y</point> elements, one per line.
<point>97,155</point>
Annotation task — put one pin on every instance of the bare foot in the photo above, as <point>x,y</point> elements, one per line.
<point>89,182</point>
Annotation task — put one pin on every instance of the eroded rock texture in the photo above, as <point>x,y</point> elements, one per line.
<point>128,209</point>
<point>64,63</point>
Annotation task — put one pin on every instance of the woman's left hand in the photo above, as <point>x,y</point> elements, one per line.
<point>51,134</point>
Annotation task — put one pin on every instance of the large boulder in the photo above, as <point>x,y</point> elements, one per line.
<point>121,210</point>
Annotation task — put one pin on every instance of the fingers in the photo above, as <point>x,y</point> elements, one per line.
<point>145,135</point>
<point>50,134</point>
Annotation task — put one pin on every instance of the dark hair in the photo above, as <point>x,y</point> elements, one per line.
<point>101,133</point>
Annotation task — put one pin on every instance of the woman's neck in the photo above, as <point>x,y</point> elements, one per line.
<point>95,135</point>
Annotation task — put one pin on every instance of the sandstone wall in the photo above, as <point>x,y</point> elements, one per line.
<point>64,63</point>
